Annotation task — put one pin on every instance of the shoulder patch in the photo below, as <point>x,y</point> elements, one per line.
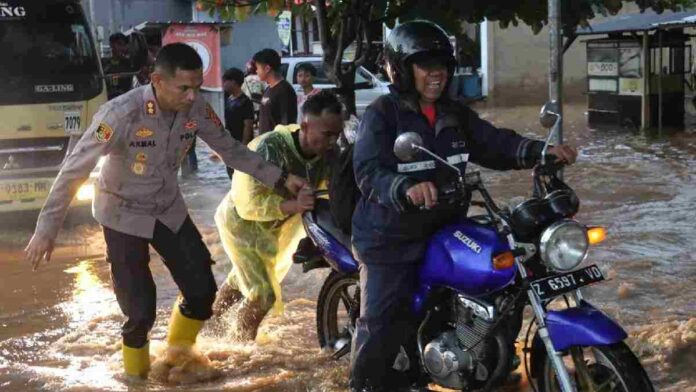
<point>144,132</point>
<point>150,108</point>
<point>212,116</point>
<point>103,133</point>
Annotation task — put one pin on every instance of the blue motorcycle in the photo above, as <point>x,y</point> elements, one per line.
<point>477,278</point>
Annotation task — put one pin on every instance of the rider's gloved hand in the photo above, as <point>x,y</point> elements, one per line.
<point>423,194</point>
<point>563,153</point>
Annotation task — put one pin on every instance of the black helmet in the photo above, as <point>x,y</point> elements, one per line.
<point>416,40</point>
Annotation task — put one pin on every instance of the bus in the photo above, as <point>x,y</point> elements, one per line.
<point>52,84</point>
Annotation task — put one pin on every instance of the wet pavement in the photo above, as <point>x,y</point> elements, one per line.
<point>59,326</point>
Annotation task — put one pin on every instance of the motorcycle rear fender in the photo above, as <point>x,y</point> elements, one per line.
<point>335,254</point>
<point>582,326</point>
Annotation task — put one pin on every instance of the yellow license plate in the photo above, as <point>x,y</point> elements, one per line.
<point>24,190</point>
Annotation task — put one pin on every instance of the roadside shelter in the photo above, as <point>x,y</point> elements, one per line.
<point>636,74</point>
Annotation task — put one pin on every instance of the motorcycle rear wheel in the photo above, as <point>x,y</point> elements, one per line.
<point>612,368</point>
<point>338,308</point>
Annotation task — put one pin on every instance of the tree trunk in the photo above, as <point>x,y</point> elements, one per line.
<point>346,92</point>
<point>305,35</point>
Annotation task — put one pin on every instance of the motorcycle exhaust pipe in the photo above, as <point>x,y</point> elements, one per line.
<point>419,339</point>
<point>502,368</point>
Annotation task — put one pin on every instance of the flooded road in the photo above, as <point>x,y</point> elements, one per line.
<point>59,326</point>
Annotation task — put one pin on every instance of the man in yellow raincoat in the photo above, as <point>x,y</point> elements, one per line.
<point>259,228</point>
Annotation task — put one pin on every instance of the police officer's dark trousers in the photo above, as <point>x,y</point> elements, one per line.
<point>186,257</point>
<point>386,324</point>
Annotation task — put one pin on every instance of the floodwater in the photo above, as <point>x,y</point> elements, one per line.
<point>59,326</point>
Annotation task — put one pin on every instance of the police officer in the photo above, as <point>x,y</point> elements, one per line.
<point>389,233</point>
<point>144,135</point>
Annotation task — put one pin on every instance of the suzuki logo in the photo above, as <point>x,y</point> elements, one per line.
<point>471,244</point>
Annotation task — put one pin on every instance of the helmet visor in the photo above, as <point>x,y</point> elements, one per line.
<point>432,60</point>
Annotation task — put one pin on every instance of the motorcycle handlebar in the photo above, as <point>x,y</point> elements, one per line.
<point>552,165</point>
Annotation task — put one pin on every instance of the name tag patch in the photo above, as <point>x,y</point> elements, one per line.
<point>415,166</point>
<point>142,143</point>
<point>459,158</point>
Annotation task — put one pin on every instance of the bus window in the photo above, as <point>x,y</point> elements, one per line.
<point>48,56</point>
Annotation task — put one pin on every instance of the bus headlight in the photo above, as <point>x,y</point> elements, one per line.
<point>564,245</point>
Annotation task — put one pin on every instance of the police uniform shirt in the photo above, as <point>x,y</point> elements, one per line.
<point>143,148</point>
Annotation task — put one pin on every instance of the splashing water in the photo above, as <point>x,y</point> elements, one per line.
<point>59,327</point>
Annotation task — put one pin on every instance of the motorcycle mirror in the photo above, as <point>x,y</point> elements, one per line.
<point>549,114</point>
<point>406,146</point>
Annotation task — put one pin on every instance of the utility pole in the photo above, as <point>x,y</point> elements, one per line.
<point>556,62</point>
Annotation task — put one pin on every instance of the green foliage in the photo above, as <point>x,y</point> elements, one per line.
<point>449,13</point>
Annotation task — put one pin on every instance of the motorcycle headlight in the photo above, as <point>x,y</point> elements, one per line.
<point>564,245</point>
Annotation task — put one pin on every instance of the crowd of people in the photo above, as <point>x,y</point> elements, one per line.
<point>148,131</point>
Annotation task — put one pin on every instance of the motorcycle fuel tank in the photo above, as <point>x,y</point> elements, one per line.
<point>460,256</point>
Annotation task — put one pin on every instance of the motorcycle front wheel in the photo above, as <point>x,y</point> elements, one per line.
<point>338,308</point>
<point>610,368</point>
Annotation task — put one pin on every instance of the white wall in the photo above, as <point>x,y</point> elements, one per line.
<point>248,37</point>
<point>518,63</point>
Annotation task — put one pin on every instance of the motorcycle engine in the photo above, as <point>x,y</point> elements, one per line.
<point>445,361</point>
<point>456,357</point>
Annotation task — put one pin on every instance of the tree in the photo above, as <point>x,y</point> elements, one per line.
<point>343,23</point>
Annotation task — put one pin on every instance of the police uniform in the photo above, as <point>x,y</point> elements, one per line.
<point>389,236</point>
<point>138,201</point>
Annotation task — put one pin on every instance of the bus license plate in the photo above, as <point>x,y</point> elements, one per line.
<point>553,286</point>
<point>23,190</point>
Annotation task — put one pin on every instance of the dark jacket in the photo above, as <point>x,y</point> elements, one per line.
<point>385,229</point>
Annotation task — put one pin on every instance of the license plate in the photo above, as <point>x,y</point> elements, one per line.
<point>24,190</point>
<point>553,286</point>
<point>72,123</point>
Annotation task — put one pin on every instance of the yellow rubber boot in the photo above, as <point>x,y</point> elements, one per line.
<point>136,361</point>
<point>182,330</point>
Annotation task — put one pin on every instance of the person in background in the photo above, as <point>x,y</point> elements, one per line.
<point>306,73</point>
<point>253,88</point>
<point>142,78</point>
<point>239,111</point>
<point>279,102</point>
<point>119,63</point>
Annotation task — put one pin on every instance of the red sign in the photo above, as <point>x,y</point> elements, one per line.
<point>206,41</point>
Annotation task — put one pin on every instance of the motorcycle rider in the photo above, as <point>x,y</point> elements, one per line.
<point>395,214</point>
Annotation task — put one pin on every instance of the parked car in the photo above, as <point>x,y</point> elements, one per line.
<point>363,96</point>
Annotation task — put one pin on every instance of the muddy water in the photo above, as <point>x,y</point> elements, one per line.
<point>59,326</point>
